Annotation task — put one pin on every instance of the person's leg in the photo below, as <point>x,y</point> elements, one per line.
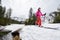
<point>40,22</point>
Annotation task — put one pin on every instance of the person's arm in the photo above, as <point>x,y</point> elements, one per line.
<point>41,13</point>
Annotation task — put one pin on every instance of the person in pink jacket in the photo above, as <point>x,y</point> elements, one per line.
<point>38,16</point>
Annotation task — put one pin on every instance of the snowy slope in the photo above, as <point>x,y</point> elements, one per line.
<point>37,33</point>
<point>53,26</point>
<point>14,27</point>
<point>33,32</point>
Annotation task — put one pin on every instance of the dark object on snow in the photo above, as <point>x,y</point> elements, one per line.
<point>16,36</point>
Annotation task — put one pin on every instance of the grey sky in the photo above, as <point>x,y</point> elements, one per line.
<point>21,7</point>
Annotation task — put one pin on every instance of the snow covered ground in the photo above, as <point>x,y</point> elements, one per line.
<point>33,32</point>
<point>37,33</point>
<point>14,27</point>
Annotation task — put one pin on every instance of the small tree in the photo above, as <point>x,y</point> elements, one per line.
<point>31,21</point>
<point>32,18</point>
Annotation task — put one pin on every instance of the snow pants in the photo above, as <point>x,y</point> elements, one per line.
<point>38,21</point>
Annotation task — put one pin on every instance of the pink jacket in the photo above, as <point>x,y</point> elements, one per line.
<point>39,14</point>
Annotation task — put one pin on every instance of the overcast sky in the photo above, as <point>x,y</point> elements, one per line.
<point>20,8</point>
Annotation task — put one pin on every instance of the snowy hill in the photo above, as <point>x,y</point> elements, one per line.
<point>33,32</point>
<point>37,33</point>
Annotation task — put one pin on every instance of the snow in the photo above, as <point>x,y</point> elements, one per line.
<point>37,33</point>
<point>55,25</point>
<point>1,27</point>
<point>14,27</point>
<point>33,32</point>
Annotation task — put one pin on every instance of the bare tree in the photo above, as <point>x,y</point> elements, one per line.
<point>8,14</point>
<point>0,1</point>
<point>30,12</point>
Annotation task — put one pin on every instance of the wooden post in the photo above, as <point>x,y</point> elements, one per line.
<point>16,36</point>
